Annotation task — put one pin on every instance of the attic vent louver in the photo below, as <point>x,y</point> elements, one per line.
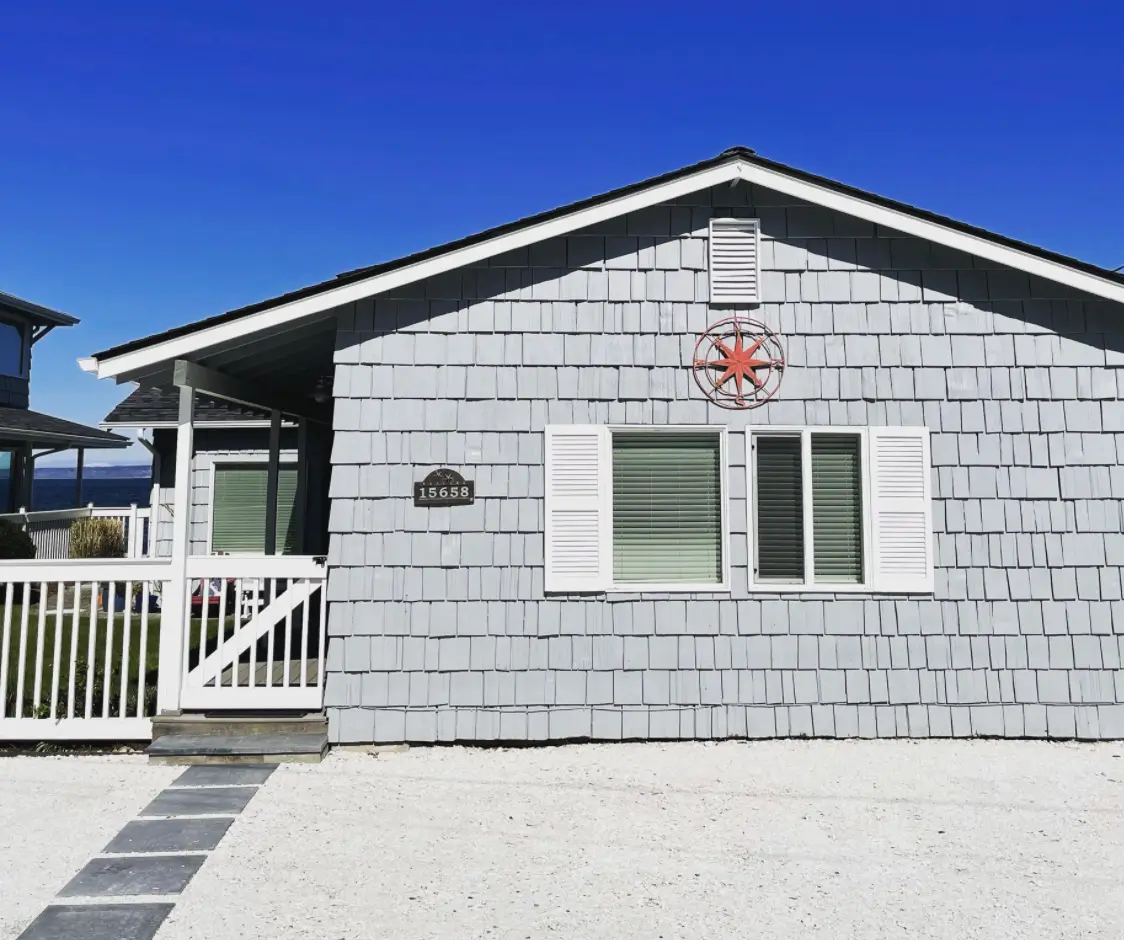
<point>734,261</point>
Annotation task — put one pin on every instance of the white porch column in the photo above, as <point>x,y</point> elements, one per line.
<point>271,482</point>
<point>177,609</point>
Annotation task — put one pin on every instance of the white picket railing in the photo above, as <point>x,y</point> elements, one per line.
<point>76,642</point>
<point>257,633</point>
<point>80,641</point>
<point>50,529</point>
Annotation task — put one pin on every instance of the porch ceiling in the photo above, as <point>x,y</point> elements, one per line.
<point>290,363</point>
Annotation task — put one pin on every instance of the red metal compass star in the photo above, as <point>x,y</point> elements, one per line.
<point>739,363</point>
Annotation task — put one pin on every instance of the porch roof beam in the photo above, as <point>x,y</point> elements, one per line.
<point>230,388</point>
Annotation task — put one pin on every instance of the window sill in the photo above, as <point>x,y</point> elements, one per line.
<point>652,587</point>
<point>841,588</point>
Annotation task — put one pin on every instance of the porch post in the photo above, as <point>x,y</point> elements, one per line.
<point>154,506</point>
<point>27,476</point>
<point>78,476</point>
<point>300,509</point>
<point>176,609</point>
<point>271,482</point>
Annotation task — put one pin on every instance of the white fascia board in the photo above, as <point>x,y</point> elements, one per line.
<point>932,231</point>
<point>209,425</point>
<point>190,344</point>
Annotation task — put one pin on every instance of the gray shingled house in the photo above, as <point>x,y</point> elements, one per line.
<point>735,451</point>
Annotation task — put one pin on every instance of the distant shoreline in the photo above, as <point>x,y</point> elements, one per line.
<point>121,472</point>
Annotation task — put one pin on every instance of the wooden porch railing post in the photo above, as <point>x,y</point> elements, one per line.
<point>176,609</point>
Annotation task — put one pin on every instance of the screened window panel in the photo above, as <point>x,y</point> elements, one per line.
<point>837,509</point>
<point>779,502</point>
<point>239,504</point>
<point>667,508</point>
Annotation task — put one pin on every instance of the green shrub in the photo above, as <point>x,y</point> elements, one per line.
<point>97,538</point>
<point>15,543</point>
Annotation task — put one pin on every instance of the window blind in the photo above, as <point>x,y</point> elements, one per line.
<point>667,510</point>
<point>837,510</point>
<point>779,510</point>
<point>238,509</point>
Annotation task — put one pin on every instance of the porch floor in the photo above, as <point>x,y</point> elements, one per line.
<point>272,674</point>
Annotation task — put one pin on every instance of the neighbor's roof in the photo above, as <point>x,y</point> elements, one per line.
<point>19,425</point>
<point>35,312</point>
<point>735,163</point>
<point>159,407</point>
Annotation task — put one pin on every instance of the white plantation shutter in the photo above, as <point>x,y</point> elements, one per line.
<point>578,518</point>
<point>734,255</point>
<point>901,510</point>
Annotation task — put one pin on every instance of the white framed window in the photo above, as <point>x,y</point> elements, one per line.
<point>236,521</point>
<point>839,509</point>
<point>633,508</point>
<point>735,261</point>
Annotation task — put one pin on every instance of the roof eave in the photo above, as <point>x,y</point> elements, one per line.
<point>36,312</point>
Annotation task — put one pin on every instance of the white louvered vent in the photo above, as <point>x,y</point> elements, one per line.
<point>734,261</point>
<point>902,509</point>
<point>577,513</point>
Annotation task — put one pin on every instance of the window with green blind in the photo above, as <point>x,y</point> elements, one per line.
<point>780,510</point>
<point>238,509</point>
<point>792,471</point>
<point>837,508</point>
<point>667,507</point>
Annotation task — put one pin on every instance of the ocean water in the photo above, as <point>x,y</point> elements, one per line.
<point>59,493</point>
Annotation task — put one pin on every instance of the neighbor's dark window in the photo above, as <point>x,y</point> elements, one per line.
<point>6,461</point>
<point>13,357</point>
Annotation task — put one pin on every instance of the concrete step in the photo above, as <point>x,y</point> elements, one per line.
<point>230,739</point>
<point>226,723</point>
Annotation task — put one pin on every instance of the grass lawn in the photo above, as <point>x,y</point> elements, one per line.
<point>86,681</point>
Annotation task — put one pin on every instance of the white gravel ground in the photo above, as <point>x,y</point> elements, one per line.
<point>775,839</point>
<point>55,814</point>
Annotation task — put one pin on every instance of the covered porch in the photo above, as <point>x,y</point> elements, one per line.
<point>98,649</point>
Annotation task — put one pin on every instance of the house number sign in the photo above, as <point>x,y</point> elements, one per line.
<point>444,488</point>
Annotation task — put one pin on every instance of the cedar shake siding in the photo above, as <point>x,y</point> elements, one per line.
<point>440,627</point>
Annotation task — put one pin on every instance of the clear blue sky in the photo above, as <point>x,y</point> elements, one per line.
<point>165,162</point>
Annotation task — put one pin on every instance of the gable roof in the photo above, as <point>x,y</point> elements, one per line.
<point>20,424</point>
<point>35,312</point>
<point>155,407</point>
<point>737,163</point>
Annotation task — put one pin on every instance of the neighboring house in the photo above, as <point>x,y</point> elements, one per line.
<point>24,432</point>
<point>745,452</point>
<point>228,497</point>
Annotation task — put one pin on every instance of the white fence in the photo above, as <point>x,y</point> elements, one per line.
<point>78,644</point>
<point>81,640</point>
<point>50,529</point>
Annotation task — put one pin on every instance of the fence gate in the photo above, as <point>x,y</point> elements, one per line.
<point>255,637</point>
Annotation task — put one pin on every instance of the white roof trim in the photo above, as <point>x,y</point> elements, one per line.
<point>183,347</point>
<point>933,231</point>
<point>233,425</point>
